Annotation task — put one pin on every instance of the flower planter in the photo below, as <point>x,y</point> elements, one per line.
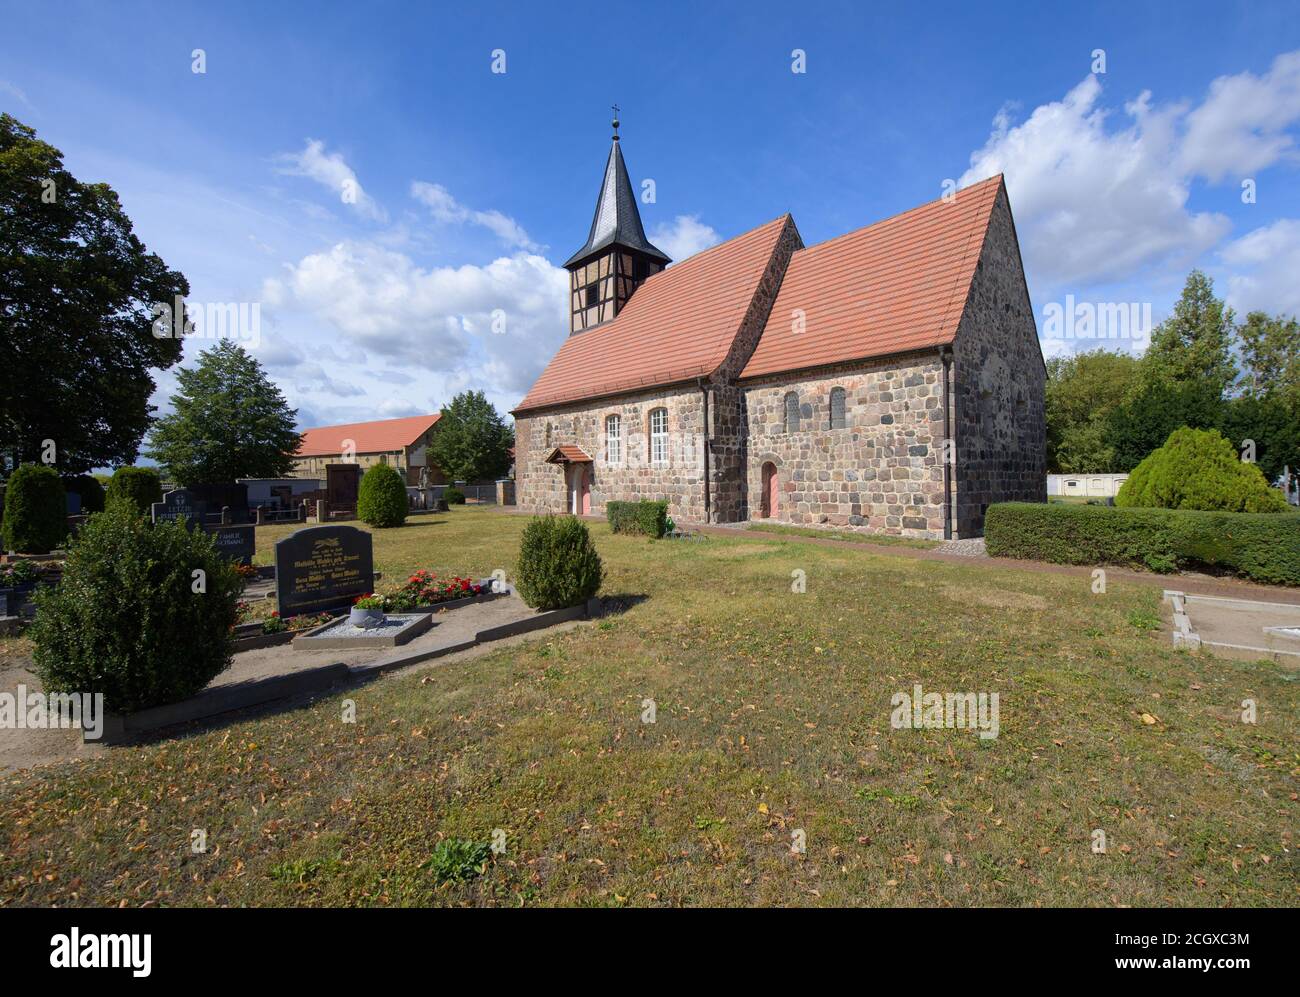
<point>366,619</point>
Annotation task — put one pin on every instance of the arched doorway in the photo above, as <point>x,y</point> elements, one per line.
<point>769,506</point>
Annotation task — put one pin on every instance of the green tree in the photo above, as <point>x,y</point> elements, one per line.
<point>1145,420</point>
<point>1195,342</point>
<point>471,441</point>
<point>228,421</point>
<point>1082,391</point>
<point>77,295</point>
<point>1270,424</point>
<point>1270,355</point>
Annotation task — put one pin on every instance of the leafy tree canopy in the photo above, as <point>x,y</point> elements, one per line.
<point>77,290</point>
<point>228,421</point>
<point>471,440</point>
<point>1195,342</point>
<point>1082,391</point>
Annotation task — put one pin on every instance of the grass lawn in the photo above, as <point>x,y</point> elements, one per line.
<point>773,717</point>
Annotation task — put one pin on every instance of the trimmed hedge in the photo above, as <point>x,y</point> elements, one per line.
<point>453,496</point>
<point>649,518</point>
<point>35,511</point>
<point>558,564</point>
<point>381,497</point>
<point>137,487</point>
<point>1264,547</point>
<point>126,621</point>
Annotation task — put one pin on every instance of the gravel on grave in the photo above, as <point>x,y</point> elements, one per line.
<point>452,626</point>
<point>391,624</point>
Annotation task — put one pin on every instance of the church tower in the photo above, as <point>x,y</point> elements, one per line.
<point>617,258</point>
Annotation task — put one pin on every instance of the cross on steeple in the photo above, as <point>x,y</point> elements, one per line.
<point>615,121</point>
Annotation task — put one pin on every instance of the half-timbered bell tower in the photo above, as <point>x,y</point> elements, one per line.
<point>617,258</point>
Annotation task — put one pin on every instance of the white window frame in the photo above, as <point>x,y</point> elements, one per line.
<point>659,437</point>
<point>613,439</point>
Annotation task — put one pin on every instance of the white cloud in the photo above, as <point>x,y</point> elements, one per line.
<point>331,171</point>
<point>445,208</point>
<point>684,237</point>
<point>1241,126</point>
<point>1094,204</point>
<point>1264,264</point>
<point>489,327</point>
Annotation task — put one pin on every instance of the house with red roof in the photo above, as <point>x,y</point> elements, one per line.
<point>401,443</point>
<point>890,378</point>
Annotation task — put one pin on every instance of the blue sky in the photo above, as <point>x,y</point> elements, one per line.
<point>472,186</point>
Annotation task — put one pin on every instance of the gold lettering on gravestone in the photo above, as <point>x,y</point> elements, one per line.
<point>326,570</point>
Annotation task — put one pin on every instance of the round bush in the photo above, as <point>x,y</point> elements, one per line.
<point>36,510</point>
<point>453,496</point>
<point>558,564</point>
<point>381,497</point>
<point>1199,469</point>
<point>136,487</point>
<point>91,492</point>
<point>126,620</point>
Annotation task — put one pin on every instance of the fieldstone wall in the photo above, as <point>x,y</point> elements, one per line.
<point>999,384</point>
<point>883,470</point>
<point>729,436</point>
<point>540,487</point>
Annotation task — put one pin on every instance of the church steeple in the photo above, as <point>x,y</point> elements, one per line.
<point>617,256</point>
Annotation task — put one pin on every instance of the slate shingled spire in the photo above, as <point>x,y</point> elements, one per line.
<point>617,221</point>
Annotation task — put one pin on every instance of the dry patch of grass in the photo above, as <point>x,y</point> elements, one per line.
<point>772,726</point>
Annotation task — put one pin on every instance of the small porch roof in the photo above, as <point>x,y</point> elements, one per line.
<point>568,453</point>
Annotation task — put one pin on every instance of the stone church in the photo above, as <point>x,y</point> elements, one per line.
<point>889,378</point>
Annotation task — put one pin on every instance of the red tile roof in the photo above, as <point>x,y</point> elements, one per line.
<point>900,284</point>
<point>678,325</point>
<point>385,435</point>
<point>570,453</point>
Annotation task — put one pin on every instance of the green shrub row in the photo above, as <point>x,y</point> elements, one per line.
<point>136,487</point>
<point>453,496</point>
<point>649,518</point>
<point>1264,547</point>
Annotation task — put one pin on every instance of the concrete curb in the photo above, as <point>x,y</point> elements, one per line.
<point>119,728</point>
<point>1183,634</point>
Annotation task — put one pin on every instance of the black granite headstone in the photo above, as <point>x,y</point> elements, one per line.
<point>178,504</point>
<point>232,497</point>
<point>234,542</point>
<point>322,568</point>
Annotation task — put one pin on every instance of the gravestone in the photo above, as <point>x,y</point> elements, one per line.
<point>322,568</point>
<point>178,504</point>
<point>234,542</point>
<point>214,498</point>
<point>342,483</point>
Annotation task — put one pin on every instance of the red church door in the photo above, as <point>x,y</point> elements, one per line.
<point>584,489</point>
<point>770,505</point>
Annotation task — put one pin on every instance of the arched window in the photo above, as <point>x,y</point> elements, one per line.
<point>659,436</point>
<point>791,412</point>
<point>613,439</point>
<point>837,408</point>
